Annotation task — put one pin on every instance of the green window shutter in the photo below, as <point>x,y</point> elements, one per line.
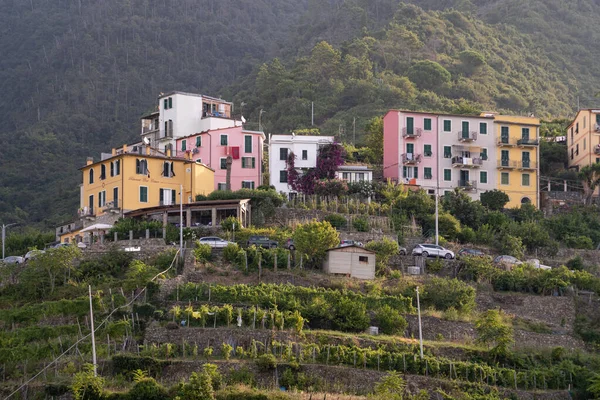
<point>173,196</point>
<point>410,125</point>
<point>484,154</point>
<point>427,150</point>
<point>170,102</point>
<point>447,125</point>
<point>410,148</point>
<point>243,162</point>
<point>283,176</point>
<point>253,162</point>
<point>183,145</point>
<point>161,195</point>
<point>525,133</point>
<point>483,176</point>
<point>166,104</point>
<point>223,163</point>
<point>198,141</point>
<point>447,152</point>
<point>525,180</point>
<point>427,173</point>
<point>504,178</point>
<point>416,175</point>
<point>404,172</point>
<point>483,128</point>
<point>447,175</point>
<point>427,124</point>
<point>248,144</point>
<point>143,194</point>
<point>465,128</point>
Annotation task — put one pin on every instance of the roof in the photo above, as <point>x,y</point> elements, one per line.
<point>300,138</point>
<point>185,160</point>
<point>436,114</point>
<point>352,245</point>
<point>486,115</point>
<point>590,110</point>
<point>160,96</point>
<point>354,167</point>
<point>204,203</point>
<point>221,129</point>
<point>149,115</point>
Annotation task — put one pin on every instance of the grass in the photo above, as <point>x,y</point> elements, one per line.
<point>530,326</point>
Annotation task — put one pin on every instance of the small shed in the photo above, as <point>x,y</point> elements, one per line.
<point>354,261</point>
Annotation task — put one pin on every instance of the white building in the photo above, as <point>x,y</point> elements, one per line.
<point>353,261</point>
<point>305,148</point>
<point>351,173</point>
<point>182,114</point>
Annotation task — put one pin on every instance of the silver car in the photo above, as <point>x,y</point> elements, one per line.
<point>432,250</point>
<point>214,241</point>
<point>13,260</point>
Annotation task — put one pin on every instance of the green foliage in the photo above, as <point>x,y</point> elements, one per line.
<point>231,252</point>
<point>139,274</point>
<point>202,252</point>
<point>467,211</point>
<point>18,244</point>
<point>147,389</point>
<point>579,242</point>
<point>428,75</point>
<point>391,386</point>
<point>360,224</point>
<point>336,220</point>
<point>86,386</point>
<point>384,249</point>
<point>390,321</point>
<point>266,362</point>
<point>47,271</point>
<point>445,293</point>
<point>576,263</point>
<point>494,200</point>
<point>230,224</point>
<point>263,202</point>
<point>198,387</point>
<point>374,139</point>
<point>314,238</point>
<point>493,329</point>
<point>510,245</point>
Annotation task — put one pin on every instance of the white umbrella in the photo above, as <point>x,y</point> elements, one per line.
<point>96,227</point>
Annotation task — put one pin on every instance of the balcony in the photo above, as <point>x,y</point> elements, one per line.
<point>87,213</point>
<point>415,132</point>
<point>508,164</point>
<point>411,158</point>
<point>528,142</point>
<point>460,161</point>
<point>467,136</point>
<point>467,185</point>
<point>526,165</point>
<point>505,141</point>
<point>149,130</point>
<point>112,206</point>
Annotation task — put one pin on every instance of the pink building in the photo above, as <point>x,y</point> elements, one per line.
<point>410,145</point>
<point>212,148</point>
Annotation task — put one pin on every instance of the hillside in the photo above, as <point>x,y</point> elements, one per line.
<point>77,74</point>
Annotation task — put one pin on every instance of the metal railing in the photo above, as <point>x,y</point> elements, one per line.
<point>411,158</point>
<point>467,184</point>
<point>415,132</point>
<point>528,142</point>
<point>467,161</point>
<point>517,164</point>
<point>467,136</point>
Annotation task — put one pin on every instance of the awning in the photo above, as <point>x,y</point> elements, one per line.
<point>96,227</point>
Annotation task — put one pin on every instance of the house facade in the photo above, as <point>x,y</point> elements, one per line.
<point>135,177</point>
<point>305,148</point>
<point>354,172</point>
<point>182,114</point>
<point>583,139</point>
<point>353,261</point>
<point>212,148</point>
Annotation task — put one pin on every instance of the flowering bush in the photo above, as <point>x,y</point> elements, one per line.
<point>330,187</point>
<point>330,157</point>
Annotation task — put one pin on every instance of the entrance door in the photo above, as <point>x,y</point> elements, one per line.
<point>465,129</point>
<point>525,159</point>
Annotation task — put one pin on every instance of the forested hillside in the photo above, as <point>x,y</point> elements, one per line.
<point>76,74</point>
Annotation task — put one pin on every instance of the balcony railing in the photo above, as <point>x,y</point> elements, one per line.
<point>148,129</point>
<point>507,164</point>
<point>528,142</point>
<point>505,141</point>
<point>86,212</point>
<point>467,184</point>
<point>467,136</point>
<point>597,149</point>
<point>526,165</point>
<point>467,161</point>
<point>415,132</point>
<point>411,158</point>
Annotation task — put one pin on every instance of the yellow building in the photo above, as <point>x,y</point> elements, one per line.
<point>518,158</point>
<point>137,177</point>
<point>583,139</point>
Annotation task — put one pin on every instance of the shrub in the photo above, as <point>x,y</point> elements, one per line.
<point>494,200</point>
<point>336,220</point>
<point>579,242</point>
<point>231,252</point>
<point>445,293</point>
<point>230,224</point>
<point>510,245</point>
<point>494,329</point>
<point>390,321</point>
<point>215,376</point>
<point>266,362</point>
<point>314,238</point>
<point>86,386</point>
<point>467,235</point>
<point>361,224</point>
<point>434,266</point>
<point>576,263</point>
<point>385,249</point>
<point>147,389</point>
<point>202,252</point>
<point>243,376</point>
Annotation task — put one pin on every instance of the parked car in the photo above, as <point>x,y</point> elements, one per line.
<point>214,241</point>
<point>261,241</point>
<point>508,261</point>
<point>13,260</point>
<point>432,250</point>
<point>32,254</point>
<point>346,243</point>
<point>536,263</point>
<point>403,251</point>
<point>470,253</point>
<point>290,245</point>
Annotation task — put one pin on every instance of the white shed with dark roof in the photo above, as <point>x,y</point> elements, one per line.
<point>353,261</point>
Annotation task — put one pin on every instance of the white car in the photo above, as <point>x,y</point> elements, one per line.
<point>432,250</point>
<point>32,254</point>
<point>13,260</point>
<point>214,241</point>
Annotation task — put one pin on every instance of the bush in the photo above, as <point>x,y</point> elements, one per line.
<point>494,200</point>
<point>510,245</point>
<point>434,266</point>
<point>336,220</point>
<point>579,242</point>
<point>576,263</point>
<point>147,389</point>
<point>243,376</point>
<point>266,362</point>
<point>202,252</point>
<point>230,224</point>
<point>231,252</point>
<point>361,224</point>
<point>446,293</point>
<point>385,249</point>
<point>314,238</point>
<point>467,235</point>
<point>390,321</point>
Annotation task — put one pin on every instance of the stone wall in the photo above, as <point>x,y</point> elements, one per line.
<point>434,327</point>
<point>284,217</point>
<point>149,248</point>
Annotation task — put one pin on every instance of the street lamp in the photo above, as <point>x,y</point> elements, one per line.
<point>4,236</point>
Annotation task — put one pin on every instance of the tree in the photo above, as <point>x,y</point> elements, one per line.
<point>384,249</point>
<point>374,131</point>
<point>139,274</point>
<point>199,387</point>
<point>590,178</point>
<point>594,386</point>
<point>56,263</point>
<point>86,386</point>
<point>494,329</point>
<point>390,321</point>
<point>428,75</point>
<point>314,238</point>
<point>467,211</point>
<point>494,200</point>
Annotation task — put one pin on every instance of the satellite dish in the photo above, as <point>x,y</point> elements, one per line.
<point>146,141</point>
<point>243,120</point>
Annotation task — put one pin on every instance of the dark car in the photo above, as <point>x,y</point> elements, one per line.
<point>262,241</point>
<point>290,245</point>
<point>470,253</point>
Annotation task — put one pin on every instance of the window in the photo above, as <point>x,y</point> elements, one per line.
<point>525,180</point>
<point>248,162</point>
<point>483,154</point>
<point>483,177</point>
<point>360,176</point>
<point>427,173</point>
<point>447,175</point>
<point>363,259</point>
<point>577,127</point>
<point>247,184</point>
<point>223,163</point>
<point>248,144</point>
<point>410,172</point>
<point>224,140</point>
<point>143,194</point>
<point>504,134</point>
<point>170,102</point>
<point>117,167</point>
<point>345,176</point>
<point>525,159</point>
<point>283,154</point>
<point>504,178</point>
<point>183,145</point>
<point>283,176</point>
<point>167,197</point>
<point>525,133</point>
<point>305,154</point>
<point>112,168</point>
<point>483,128</point>
<point>427,150</point>
<point>102,172</point>
<point>116,197</point>
<point>427,124</point>
<point>221,186</point>
<point>584,122</point>
<point>597,160</point>
<point>571,153</point>
<point>198,141</point>
<point>168,170</point>
<point>447,152</point>
<point>141,167</point>
<point>410,125</point>
<point>92,173</point>
<point>447,125</point>
<point>584,143</point>
<point>577,149</point>
<point>102,198</point>
<point>504,160</point>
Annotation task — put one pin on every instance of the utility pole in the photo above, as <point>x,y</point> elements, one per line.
<point>4,236</point>
<point>312,113</point>
<point>260,119</point>
<point>354,131</point>
<point>180,219</point>
<point>420,331</point>
<point>93,334</point>
<point>437,216</point>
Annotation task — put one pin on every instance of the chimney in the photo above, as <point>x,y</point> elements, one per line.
<point>89,161</point>
<point>147,150</point>
<point>169,153</point>
<point>124,148</point>
<point>114,151</point>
